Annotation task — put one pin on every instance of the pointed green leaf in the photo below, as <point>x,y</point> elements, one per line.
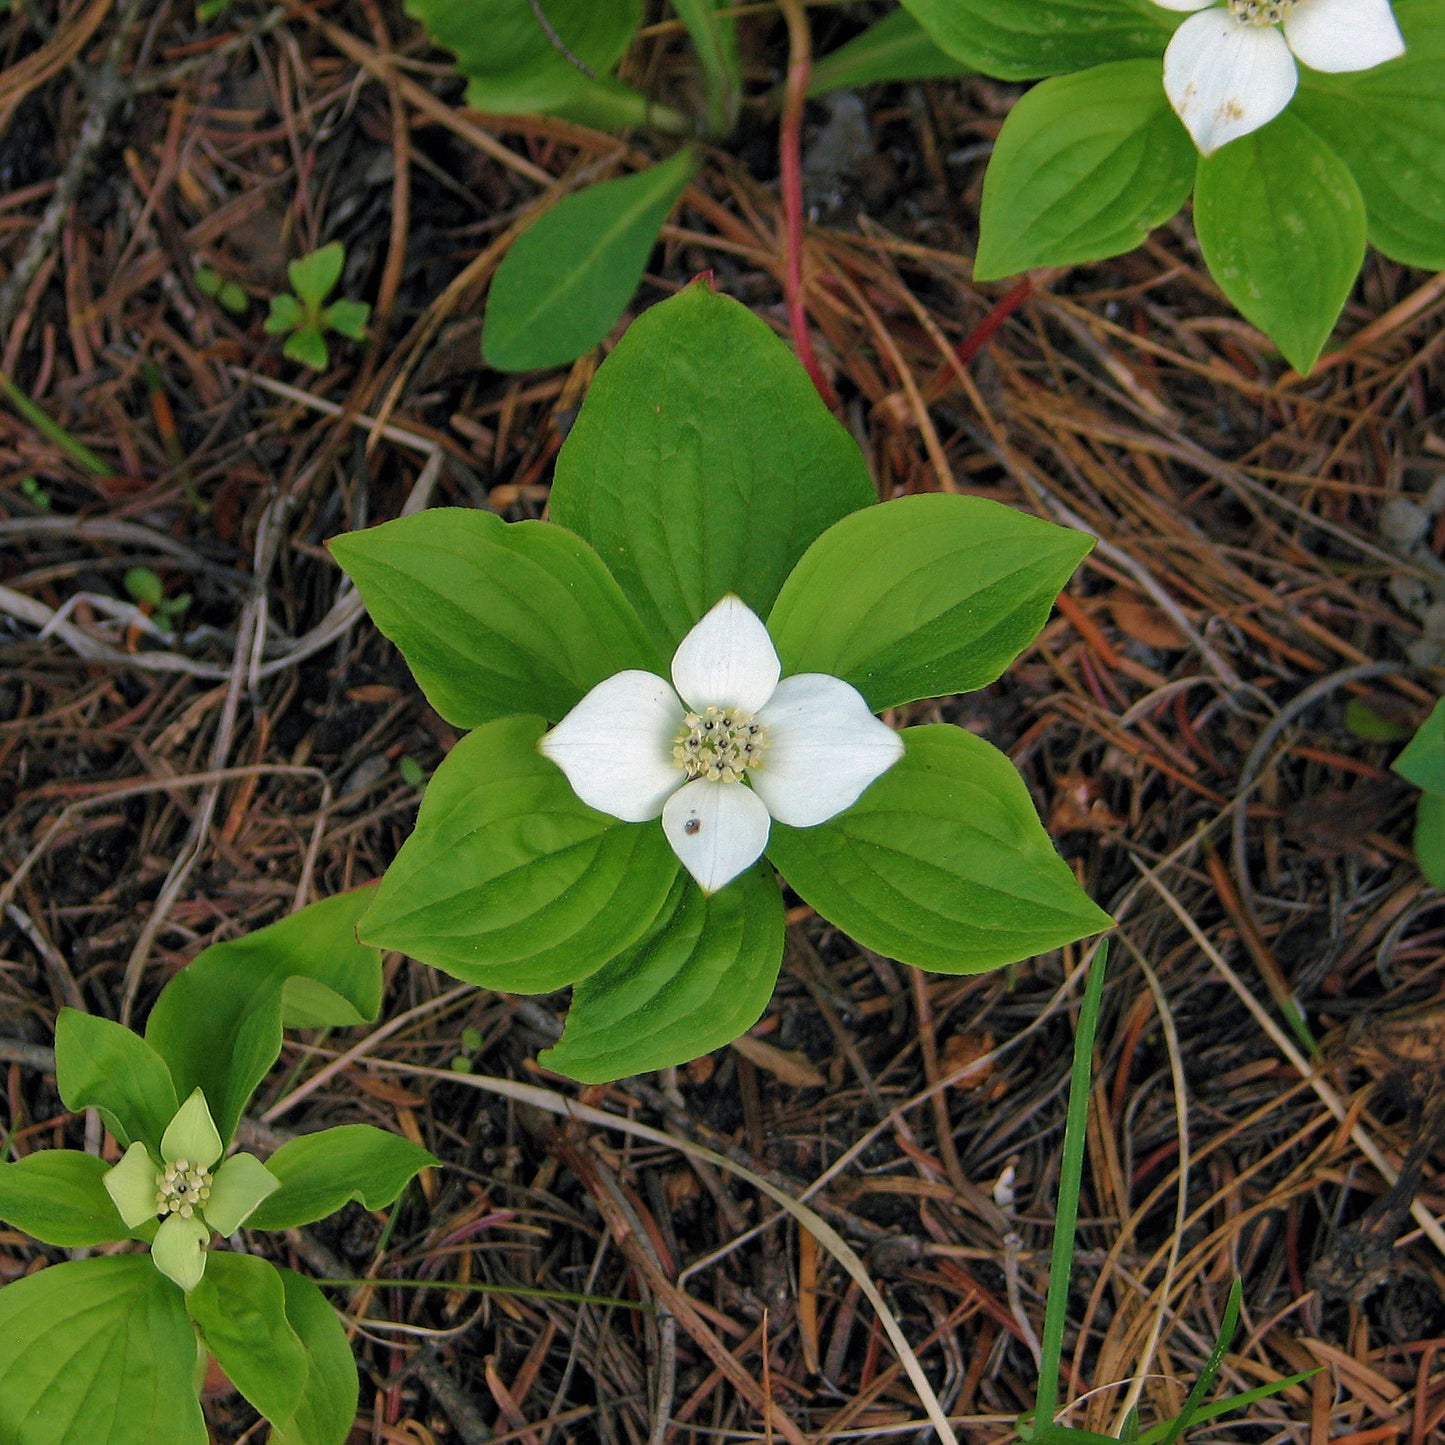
<point>510,881</point>
<point>218,1022</point>
<point>97,1350</point>
<point>569,276</point>
<point>896,48</point>
<point>1388,125</point>
<point>1086,165</point>
<point>307,347</point>
<point>192,1135</point>
<point>328,1401</point>
<point>942,863</point>
<point>101,1064</point>
<point>1282,226</point>
<point>922,596</point>
<point>703,462</point>
<point>131,1186</point>
<point>348,318</point>
<point>313,276</point>
<point>1022,41</point>
<point>1422,760</point>
<point>239,1308</point>
<point>495,618</point>
<point>695,983</point>
<point>321,1172</point>
<point>1428,840</point>
<point>59,1197</point>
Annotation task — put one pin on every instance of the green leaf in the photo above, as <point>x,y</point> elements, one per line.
<point>328,1400</point>
<point>313,276</point>
<point>1372,726</point>
<point>714,37</point>
<point>101,1064</point>
<point>896,48</point>
<point>285,315</point>
<point>922,596</point>
<point>307,347</point>
<point>239,1308</point>
<point>942,863</point>
<point>703,462</point>
<point>495,618</point>
<point>348,318</point>
<point>97,1350</point>
<point>1388,125</point>
<point>510,881</point>
<point>1085,167</point>
<point>695,983</point>
<point>1022,41</point>
<point>57,1196</point>
<point>512,64</point>
<point>321,1172</point>
<point>144,586</point>
<point>569,276</point>
<point>218,1022</point>
<point>1282,227</point>
<point>1422,760</point>
<point>1429,838</point>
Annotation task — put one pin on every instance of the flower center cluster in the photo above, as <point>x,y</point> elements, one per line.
<point>1261,12</point>
<point>182,1189</point>
<point>719,744</point>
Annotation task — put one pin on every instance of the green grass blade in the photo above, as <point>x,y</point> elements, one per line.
<point>73,447</point>
<point>1211,1369</point>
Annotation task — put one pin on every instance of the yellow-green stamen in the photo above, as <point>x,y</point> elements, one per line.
<point>182,1188</point>
<point>719,744</point>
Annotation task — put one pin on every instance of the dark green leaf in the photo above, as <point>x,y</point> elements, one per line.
<point>896,48</point>
<point>1282,226</point>
<point>218,1022</point>
<point>1422,760</point>
<point>57,1196</point>
<point>101,1064</point>
<point>313,276</point>
<point>321,1172</point>
<point>714,36</point>
<point>510,881</point>
<point>97,1350</point>
<point>703,462</point>
<point>1085,167</point>
<point>922,596</point>
<point>328,1401</point>
<point>942,863</point>
<point>1372,726</point>
<point>1388,125</point>
<point>495,618</point>
<point>695,983</point>
<point>239,1308</point>
<point>1022,41</point>
<point>1429,838</point>
<point>569,276</point>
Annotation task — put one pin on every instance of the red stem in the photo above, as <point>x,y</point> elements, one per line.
<point>978,338</point>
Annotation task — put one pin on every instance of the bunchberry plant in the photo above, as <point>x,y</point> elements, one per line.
<point>305,317</point>
<point>111,1349</point>
<point>672,690</point>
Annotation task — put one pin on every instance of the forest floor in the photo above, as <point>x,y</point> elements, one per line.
<point>1189,723</point>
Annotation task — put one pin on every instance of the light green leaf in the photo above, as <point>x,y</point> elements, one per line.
<point>922,596</point>
<point>1022,41</point>
<point>1282,226</point>
<point>328,1401</point>
<point>192,1135</point>
<point>307,347</point>
<point>512,64</point>
<point>307,1003</point>
<point>1388,125</point>
<point>1086,165</point>
<point>218,1022</point>
<point>569,276</point>
<point>285,315</point>
<point>321,1172</point>
<point>695,983</point>
<point>313,276</point>
<point>1422,760</point>
<point>101,1064</point>
<point>510,881</point>
<point>239,1186</point>
<point>1429,839</point>
<point>97,1350</point>
<point>495,618</point>
<point>57,1196</point>
<point>239,1308</point>
<point>942,863</point>
<point>896,48</point>
<point>348,318</point>
<point>703,462</point>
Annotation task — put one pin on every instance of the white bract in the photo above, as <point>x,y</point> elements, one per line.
<point>728,751</point>
<point>190,1199</point>
<point>1231,68</point>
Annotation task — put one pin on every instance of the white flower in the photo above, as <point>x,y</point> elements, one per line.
<point>731,749</point>
<point>1231,68</point>
<point>190,1200</point>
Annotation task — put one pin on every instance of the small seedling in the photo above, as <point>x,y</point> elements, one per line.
<point>471,1046</point>
<point>34,493</point>
<point>305,314</point>
<point>148,593</point>
<point>227,292</point>
<point>412,772</point>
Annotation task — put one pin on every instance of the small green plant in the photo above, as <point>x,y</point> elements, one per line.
<point>1422,762</point>
<point>112,1349</point>
<point>34,493</point>
<point>147,589</point>
<point>225,290</point>
<point>307,317</point>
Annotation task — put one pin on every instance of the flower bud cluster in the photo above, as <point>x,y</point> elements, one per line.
<point>182,1189</point>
